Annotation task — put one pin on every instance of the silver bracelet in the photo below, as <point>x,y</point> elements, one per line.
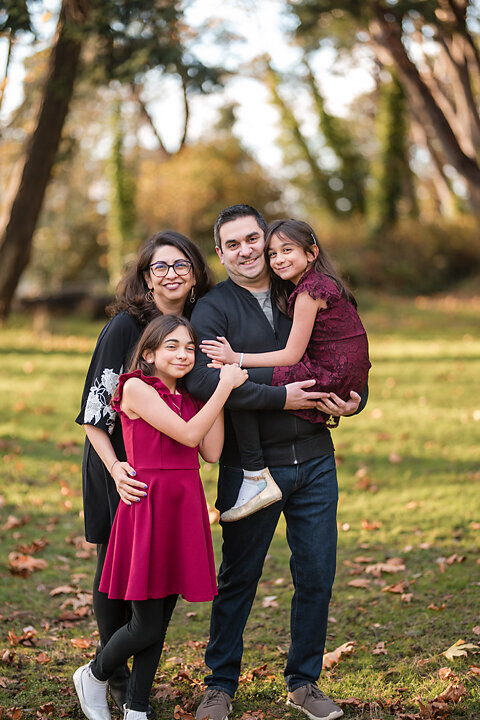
<point>241,359</point>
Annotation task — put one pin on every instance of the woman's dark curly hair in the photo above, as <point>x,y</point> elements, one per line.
<point>131,290</point>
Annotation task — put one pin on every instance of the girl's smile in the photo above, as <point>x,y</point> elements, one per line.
<point>174,358</point>
<point>287,259</point>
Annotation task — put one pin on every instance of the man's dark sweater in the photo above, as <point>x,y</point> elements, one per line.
<point>233,312</point>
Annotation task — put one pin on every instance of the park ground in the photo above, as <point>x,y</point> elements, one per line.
<point>404,631</point>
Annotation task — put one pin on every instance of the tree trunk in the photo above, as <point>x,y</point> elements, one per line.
<point>388,35</point>
<point>31,176</point>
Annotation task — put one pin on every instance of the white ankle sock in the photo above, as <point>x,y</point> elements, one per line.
<point>94,690</point>
<point>134,715</point>
<point>250,486</point>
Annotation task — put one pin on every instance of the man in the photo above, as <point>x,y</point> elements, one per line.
<point>300,456</point>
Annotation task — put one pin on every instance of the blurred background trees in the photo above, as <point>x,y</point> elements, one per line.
<point>392,183</point>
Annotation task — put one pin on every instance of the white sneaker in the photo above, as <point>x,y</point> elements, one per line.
<point>92,694</point>
<point>133,714</point>
<point>266,497</point>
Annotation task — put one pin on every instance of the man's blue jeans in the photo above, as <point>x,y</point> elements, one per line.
<point>310,495</point>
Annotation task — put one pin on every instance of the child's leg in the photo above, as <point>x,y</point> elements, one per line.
<point>258,489</point>
<point>143,638</point>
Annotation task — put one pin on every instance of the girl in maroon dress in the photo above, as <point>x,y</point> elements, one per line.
<point>160,546</point>
<point>327,341</point>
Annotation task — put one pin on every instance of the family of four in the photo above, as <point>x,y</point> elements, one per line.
<point>283,348</point>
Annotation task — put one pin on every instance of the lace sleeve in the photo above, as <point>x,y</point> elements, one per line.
<point>110,357</point>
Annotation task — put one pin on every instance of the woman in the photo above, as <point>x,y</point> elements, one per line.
<point>170,273</point>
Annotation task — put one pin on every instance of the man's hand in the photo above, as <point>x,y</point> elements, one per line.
<point>333,405</point>
<point>298,399</point>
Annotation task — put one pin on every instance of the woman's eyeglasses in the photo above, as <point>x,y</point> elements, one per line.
<point>180,267</point>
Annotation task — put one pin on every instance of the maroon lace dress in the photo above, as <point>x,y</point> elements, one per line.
<point>161,545</point>
<point>337,354</point>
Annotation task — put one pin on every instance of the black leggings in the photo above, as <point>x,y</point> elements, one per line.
<point>110,614</point>
<point>142,637</point>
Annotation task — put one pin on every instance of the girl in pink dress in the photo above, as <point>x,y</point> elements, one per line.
<point>327,342</point>
<point>160,546</point>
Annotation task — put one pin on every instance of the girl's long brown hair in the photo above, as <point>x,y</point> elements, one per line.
<point>302,234</point>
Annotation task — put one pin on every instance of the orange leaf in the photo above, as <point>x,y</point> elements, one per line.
<point>332,658</point>
<point>360,583</point>
<point>67,589</point>
<point>81,642</point>
<point>367,525</point>
<point>24,565</point>
<point>396,588</point>
<point>474,670</point>
<point>42,658</point>
<point>181,714</point>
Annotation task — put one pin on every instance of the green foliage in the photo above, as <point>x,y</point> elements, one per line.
<point>411,257</point>
<point>391,172</point>
<point>189,189</point>
<point>134,36</point>
<point>122,214</point>
<point>15,17</point>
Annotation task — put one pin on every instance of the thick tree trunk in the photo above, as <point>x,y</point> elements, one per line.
<point>32,174</point>
<point>388,35</point>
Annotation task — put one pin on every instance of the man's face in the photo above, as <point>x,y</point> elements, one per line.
<point>241,252</point>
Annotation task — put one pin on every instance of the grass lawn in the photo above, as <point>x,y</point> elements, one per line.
<point>408,578</point>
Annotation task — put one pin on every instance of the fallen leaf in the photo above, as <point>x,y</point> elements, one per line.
<point>270,601</point>
<point>62,589</point>
<point>332,658</point>
<point>7,656</point>
<point>380,649</point>
<point>12,522</point>
<point>367,525</point>
<point>396,588</point>
<point>476,630</point>
<point>81,642</point>
<point>459,649</point>
<point>174,661</point>
<point>395,458</point>
<point>446,672</point>
<point>24,565</point>
<point>392,565</point>
<point>437,608</point>
<point>360,583</point>
<point>474,670</point>
<point>166,692</point>
<point>42,658</point>
<point>181,714</point>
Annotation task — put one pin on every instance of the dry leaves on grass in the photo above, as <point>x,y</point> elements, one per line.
<point>13,713</point>
<point>392,565</point>
<point>459,649</point>
<point>439,707</point>
<point>24,565</point>
<point>360,583</point>
<point>332,658</point>
<point>181,714</point>
<point>29,637</point>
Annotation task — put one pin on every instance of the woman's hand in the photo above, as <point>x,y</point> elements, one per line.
<point>233,375</point>
<point>219,350</point>
<point>333,405</point>
<point>129,489</point>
